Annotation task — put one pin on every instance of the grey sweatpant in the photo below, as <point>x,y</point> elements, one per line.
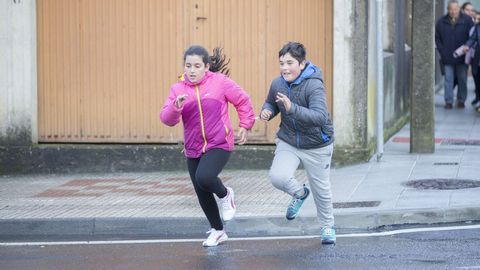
<point>317,165</point>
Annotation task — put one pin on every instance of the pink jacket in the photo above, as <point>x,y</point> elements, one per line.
<point>205,112</point>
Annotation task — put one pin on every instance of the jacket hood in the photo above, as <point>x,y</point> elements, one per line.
<point>309,72</point>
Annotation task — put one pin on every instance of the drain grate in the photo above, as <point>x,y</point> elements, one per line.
<point>460,142</point>
<point>356,204</point>
<point>443,184</point>
<point>445,163</point>
<point>472,142</point>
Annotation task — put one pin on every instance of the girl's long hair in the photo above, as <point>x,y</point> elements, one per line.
<point>218,61</point>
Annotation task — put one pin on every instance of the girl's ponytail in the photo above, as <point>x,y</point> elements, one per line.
<point>219,62</point>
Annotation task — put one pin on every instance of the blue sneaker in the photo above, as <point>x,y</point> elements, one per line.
<point>295,204</point>
<point>328,236</point>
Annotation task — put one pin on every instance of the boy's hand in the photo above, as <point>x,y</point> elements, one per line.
<point>265,115</point>
<point>285,100</point>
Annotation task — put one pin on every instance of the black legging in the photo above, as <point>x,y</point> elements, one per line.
<point>204,173</point>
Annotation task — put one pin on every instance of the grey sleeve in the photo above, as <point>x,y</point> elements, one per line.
<point>270,103</point>
<point>471,40</point>
<point>316,114</point>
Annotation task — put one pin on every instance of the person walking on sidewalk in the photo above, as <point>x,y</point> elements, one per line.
<point>451,32</point>
<point>200,99</point>
<point>305,135</point>
<point>472,47</point>
<point>467,9</point>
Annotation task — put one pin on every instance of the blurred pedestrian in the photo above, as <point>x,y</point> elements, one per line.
<point>451,32</point>
<point>467,9</point>
<point>473,44</point>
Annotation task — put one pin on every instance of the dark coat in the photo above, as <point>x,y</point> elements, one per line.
<point>450,36</point>
<point>474,42</point>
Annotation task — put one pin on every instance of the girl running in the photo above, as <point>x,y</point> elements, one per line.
<point>200,98</point>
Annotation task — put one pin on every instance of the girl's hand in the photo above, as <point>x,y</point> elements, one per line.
<point>180,100</point>
<point>242,136</point>
<point>285,100</point>
<point>265,115</point>
<point>466,49</point>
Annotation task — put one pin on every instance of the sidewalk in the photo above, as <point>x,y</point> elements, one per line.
<point>163,204</point>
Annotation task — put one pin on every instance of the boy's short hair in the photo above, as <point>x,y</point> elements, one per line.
<point>295,49</point>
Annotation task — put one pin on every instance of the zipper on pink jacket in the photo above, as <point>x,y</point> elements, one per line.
<point>201,119</point>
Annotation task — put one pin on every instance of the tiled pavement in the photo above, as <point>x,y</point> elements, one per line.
<point>163,194</point>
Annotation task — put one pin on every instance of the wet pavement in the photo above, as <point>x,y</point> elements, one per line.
<point>420,250</point>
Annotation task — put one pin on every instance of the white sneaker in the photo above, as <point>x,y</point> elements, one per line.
<point>227,204</point>
<point>215,238</point>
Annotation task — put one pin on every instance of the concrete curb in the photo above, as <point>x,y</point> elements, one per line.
<point>90,228</point>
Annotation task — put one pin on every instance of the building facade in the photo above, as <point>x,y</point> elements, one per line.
<point>98,71</point>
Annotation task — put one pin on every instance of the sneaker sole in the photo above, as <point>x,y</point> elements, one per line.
<point>221,240</point>
<point>292,218</point>
<point>328,242</point>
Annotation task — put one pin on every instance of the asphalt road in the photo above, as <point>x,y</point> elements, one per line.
<point>452,249</point>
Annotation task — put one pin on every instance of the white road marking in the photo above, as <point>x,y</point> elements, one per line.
<point>299,237</point>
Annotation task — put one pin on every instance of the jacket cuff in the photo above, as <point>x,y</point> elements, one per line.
<point>268,107</point>
<point>175,108</point>
<point>245,126</point>
<point>293,109</point>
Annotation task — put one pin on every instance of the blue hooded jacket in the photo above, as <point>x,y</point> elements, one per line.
<point>307,125</point>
